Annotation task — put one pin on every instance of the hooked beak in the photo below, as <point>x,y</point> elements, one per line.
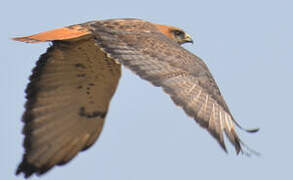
<point>188,39</point>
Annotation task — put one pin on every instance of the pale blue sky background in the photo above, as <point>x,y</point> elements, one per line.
<point>248,46</point>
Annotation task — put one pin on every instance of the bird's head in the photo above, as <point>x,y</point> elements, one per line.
<point>174,33</point>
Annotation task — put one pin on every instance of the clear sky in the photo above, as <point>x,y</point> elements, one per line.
<point>248,46</point>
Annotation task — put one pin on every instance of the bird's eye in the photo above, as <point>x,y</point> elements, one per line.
<point>179,33</point>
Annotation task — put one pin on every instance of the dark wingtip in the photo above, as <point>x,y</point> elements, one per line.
<point>245,129</point>
<point>252,130</point>
<point>29,169</point>
<point>238,149</point>
<point>236,142</point>
<point>25,168</point>
<point>224,147</point>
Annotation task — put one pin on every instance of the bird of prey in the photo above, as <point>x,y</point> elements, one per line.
<point>71,87</point>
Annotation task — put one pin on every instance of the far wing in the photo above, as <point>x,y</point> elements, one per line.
<point>180,73</point>
<point>67,102</point>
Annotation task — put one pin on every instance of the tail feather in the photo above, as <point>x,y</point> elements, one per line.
<point>70,32</point>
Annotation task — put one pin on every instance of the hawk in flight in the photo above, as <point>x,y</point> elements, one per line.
<point>71,87</point>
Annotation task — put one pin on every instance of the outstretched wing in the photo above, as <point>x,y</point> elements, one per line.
<point>181,74</point>
<point>67,102</point>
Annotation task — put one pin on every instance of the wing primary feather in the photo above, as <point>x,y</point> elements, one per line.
<point>235,141</point>
<point>249,151</point>
<point>254,130</point>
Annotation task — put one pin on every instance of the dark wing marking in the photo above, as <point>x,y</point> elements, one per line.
<point>67,101</point>
<point>181,74</point>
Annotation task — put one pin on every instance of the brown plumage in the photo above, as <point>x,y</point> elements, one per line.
<point>71,87</point>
